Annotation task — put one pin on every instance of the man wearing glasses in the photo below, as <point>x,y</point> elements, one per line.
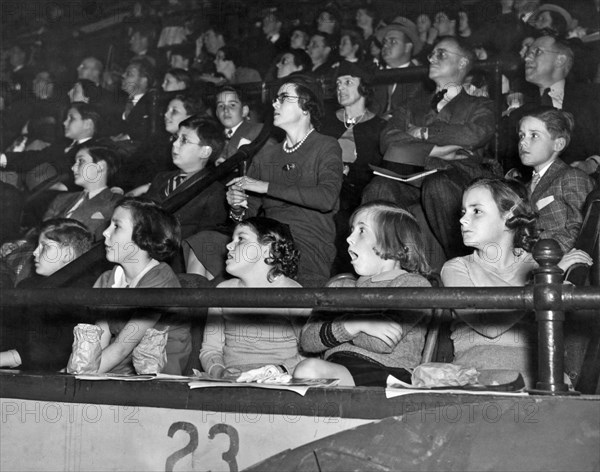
<point>548,62</point>
<point>447,130</point>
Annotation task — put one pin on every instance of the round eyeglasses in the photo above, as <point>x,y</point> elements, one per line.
<point>283,97</point>
<point>441,54</point>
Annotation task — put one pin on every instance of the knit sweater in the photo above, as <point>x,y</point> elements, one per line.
<point>179,342</point>
<point>324,333</point>
<point>247,338</point>
<point>492,339</point>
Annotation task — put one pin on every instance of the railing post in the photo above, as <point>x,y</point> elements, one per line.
<point>547,292</point>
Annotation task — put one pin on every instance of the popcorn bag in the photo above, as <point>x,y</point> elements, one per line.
<point>150,355</point>
<point>87,351</point>
<point>439,374</point>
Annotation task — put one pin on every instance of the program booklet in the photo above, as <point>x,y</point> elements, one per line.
<point>413,179</point>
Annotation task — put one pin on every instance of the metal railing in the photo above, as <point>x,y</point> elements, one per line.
<point>547,296</point>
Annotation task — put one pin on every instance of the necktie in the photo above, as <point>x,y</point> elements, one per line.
<point>84,196</point>
<point>546,99</point>
<point>437,98</point>
<point>70,146</point>
<point>390,91</point>
<point>128,108</point>
<point>174,182</point>
<point>535,179</point>
<point>228,133</point>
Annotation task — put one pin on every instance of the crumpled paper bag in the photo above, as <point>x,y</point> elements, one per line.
<point>439,374</point>
<point>269,374</point>
<point>86,353</point>
<point>150,355</point>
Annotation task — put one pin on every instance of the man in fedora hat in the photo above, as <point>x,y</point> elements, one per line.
<point>401,42</point>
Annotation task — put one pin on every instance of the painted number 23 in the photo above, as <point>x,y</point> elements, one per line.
<point>229,456</point>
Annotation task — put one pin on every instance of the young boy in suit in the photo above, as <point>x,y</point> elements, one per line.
<point>196,145</point>
<point>93,169</point>
<point>232,110</point>
<point>557,190</point>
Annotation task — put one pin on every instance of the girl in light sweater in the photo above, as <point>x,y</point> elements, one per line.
<point>362,349</point>
<point>262,254</point>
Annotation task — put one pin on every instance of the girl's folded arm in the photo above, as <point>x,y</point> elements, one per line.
<point>126,341</point>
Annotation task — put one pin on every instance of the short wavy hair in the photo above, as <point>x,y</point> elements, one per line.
<point>511,197</point>
<point>155,230</point>
<point>68,233</point>
<point>397,234</point>
<point>310,93</point>
<point>283,255</point>
<point>559,123</point>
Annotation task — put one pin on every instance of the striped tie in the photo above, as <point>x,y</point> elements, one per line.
<point>174,182</point>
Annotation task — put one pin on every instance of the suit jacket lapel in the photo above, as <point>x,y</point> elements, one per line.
<point>553,171</point>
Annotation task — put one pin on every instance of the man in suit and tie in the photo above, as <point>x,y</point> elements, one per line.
<point>401,42</point>
<point>547,65</point>
<point>93,169</point>
<point>264,48</point>
<point>232,111</point>
<point>141,115</point>
<point>448,131</point>
<point>558,191</point>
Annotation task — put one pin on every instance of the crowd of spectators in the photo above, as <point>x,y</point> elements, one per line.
<point>176,88</point>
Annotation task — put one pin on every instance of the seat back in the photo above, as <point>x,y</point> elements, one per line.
<point>437,342</point>
<point>589,241</point>
<point>197,323</point>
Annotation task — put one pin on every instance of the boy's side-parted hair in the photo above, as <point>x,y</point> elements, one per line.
<point>511,196</point>
<point>68,233</point>
<point>108,155</point>
<point>283,255</point>
<point>397,235</point>
<point>210,132</point>
<point>155,230</point>
<point>242,97</point>
<point>560,124</point>
<point>88,112</point>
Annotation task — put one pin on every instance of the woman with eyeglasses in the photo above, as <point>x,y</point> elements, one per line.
<point>298,181</point>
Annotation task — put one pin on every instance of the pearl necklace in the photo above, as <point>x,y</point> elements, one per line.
<point>350,122</point>
<point>295,147</point>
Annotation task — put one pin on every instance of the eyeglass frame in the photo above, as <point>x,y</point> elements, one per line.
<point>538,51</point>
<point>441,51</point>
<point>183,139</point>
<point>282,97</point>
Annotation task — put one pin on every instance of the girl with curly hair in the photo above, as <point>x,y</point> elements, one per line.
<point>140,239</point>
<point>498,221</point>
<point>262,254</point>
<point>363,349</point>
